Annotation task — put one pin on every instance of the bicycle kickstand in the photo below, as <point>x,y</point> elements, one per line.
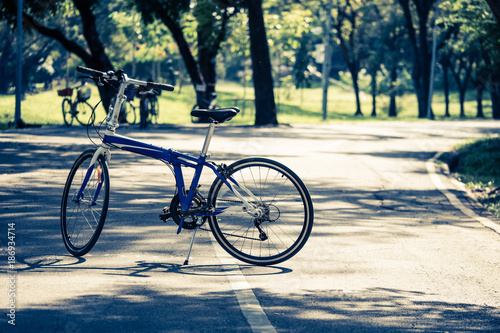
<point>186,262</point>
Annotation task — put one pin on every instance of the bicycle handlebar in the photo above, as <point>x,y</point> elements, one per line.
<point>120,75</point>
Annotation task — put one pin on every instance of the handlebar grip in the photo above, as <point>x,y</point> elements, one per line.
<point>89,71</point>
<point>161,86</point>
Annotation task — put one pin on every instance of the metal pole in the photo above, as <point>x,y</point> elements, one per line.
<point>433,63</point>
<point>19,70</point>
<point>328,57</point>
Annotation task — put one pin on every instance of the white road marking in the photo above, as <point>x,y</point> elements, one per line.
<point>249,304</point>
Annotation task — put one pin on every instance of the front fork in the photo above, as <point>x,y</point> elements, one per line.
<point>103,150</point>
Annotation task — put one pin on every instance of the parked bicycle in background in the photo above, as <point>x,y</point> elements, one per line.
<point>149,108</point>
<point>79,108</point>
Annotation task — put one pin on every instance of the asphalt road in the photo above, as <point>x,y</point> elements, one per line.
<point>388,251</point>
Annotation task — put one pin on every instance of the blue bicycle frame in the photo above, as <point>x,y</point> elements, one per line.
<point>168,156</point>
<point>176,159</point>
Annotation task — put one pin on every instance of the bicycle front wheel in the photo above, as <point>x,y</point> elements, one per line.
<point>84,113</point>
<point>286,212</point>
<point>66,110</point>
<point>83,212</point>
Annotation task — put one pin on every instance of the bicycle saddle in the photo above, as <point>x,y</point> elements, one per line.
<point>217,115</point>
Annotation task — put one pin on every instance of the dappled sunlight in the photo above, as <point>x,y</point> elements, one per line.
<point>378,258</point>
<point>375,310</point>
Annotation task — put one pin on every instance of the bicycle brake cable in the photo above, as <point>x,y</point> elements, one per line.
<point>92,115</point>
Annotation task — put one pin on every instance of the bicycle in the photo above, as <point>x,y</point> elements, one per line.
<point>72,109</point>
<point>149,108</point>
<point>257,209</point>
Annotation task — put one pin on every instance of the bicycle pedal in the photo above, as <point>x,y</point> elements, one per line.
<point>166,215</point>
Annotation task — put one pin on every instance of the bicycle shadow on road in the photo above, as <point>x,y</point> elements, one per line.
<point>142,268</point>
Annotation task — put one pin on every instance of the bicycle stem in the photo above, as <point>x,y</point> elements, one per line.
<point>114,112</point>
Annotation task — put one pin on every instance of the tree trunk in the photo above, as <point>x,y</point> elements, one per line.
<point>374,94</point>
<point>356,91</point>
<point>494,87</point>
<point>479,100</point>
<point>464,67</point>
<point>392,100</point>
<point>184,50</point>
<point>446,91</point>
<point>420,51</point>
<point>265,107</point>
<point>461,93</point>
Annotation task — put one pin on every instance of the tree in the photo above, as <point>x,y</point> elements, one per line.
<point>495,9</point>
<point>478,23</point>
<point>93,54</point>
<point>417,20</point>
<point>388,29</point>
<point>461,71</point>
<point>371,46</point>
<point>265,107</point>
<point>212,19</point>
<point>479,72</point>
<point>171,12</point>
<point>445,63</point>
<point>346,30</point>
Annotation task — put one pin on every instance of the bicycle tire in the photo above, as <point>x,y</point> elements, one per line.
<point>82,221</point>
<point>85,111</point>
<point>288,212</point>
<point>154,110</point>
<point>66,111</point>
<point>130,115</point>
<point>144,113</point>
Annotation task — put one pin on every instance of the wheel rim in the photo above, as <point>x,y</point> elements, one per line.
<point>84,113</point>
<point>66,108</point>
<point>282,229</point>
<point>82,217</point>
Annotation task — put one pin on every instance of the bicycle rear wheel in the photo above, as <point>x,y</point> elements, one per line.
<point>66,110</point>
<point>154,109</point>
<point>83,214</point>
<point>286,209</point>
<point>84,113</point>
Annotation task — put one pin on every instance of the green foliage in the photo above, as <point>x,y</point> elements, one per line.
<point>293,30</point>
<point>477,167</point>
<point>479,161</point>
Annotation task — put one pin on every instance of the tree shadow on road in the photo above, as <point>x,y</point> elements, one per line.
<point>149,308</point>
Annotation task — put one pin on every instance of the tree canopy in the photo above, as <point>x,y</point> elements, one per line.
<point>379,46</point>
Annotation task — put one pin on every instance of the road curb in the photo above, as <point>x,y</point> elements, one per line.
<point>454,200</point>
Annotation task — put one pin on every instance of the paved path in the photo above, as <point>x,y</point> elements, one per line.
<point>388,251</point>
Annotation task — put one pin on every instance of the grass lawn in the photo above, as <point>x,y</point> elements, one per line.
<point>476,164</point>
<point>294,106</point>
